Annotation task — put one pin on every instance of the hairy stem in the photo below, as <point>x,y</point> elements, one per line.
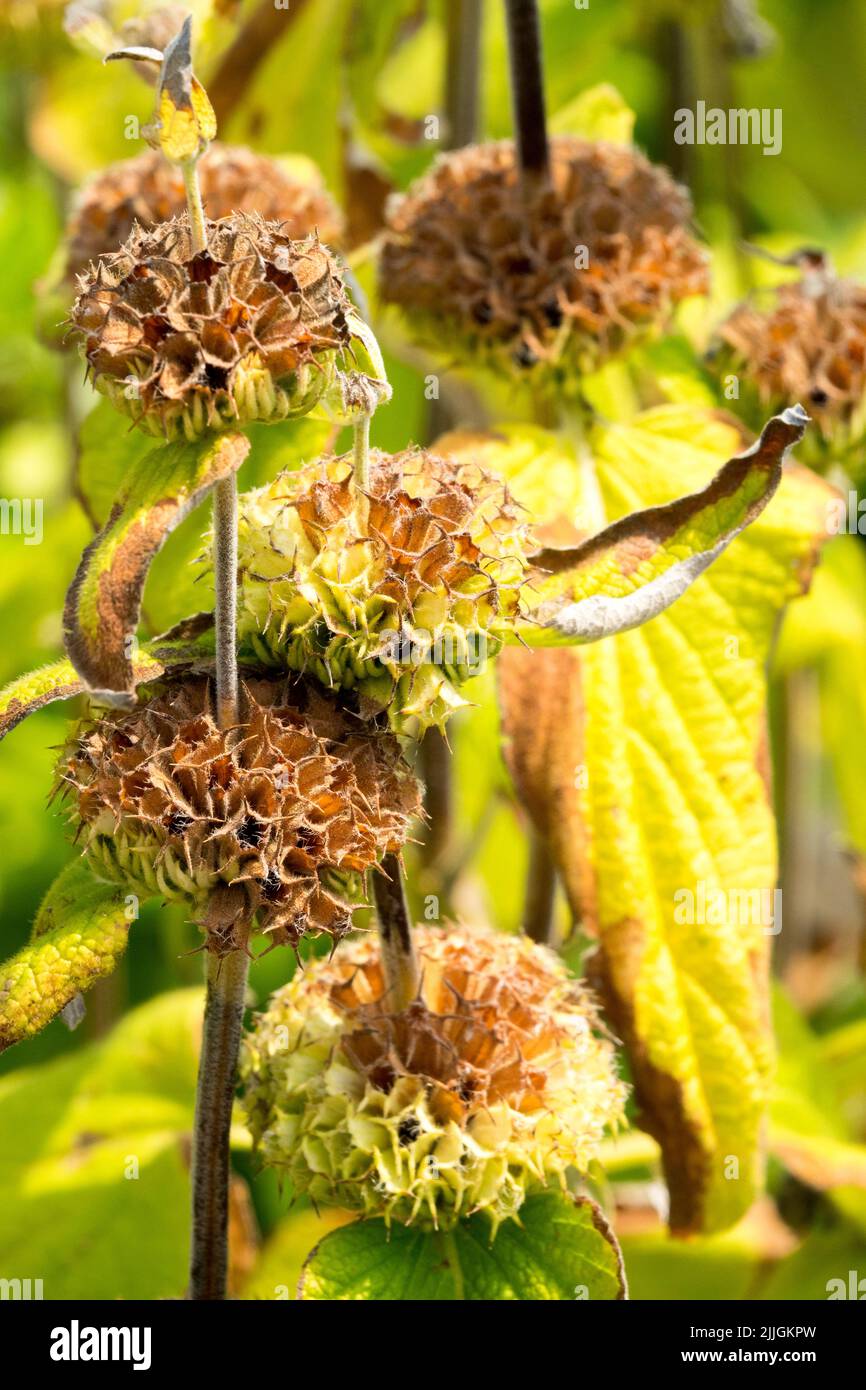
<point>527,90</point>
<point>223,1017</point>
<point>540,892</point>
<point>195,206</point>
<point>399,961</point>
<point>225,559</point>
<point>437,776</point>
<point>361,453</point>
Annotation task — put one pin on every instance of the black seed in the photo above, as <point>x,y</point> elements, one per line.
<point>482,312</point>
<point>250,832</point>
<point>818,397</point>
<point>408,1130</point>
<point>552,313</point>
<point>271,885</point>
<point>524,356</point>
<point>178,823</point>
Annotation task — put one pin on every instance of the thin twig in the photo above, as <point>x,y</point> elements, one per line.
<point>399,961</point>
<point>266,26</point>
<point>463,28</point>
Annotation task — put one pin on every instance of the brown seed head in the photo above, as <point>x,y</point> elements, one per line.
<point>249,329</point>
<point>148,190</point>
<point>285,810</point>
<point>810,345</point>
<point>493,1082</point>
<point>562,278</point>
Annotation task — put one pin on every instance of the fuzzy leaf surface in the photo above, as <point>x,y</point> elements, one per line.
<point>79,935</point>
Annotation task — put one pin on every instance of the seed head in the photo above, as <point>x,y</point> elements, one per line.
<point>250,329</point>
<point>401,592</point>
<point>551,282</point>
<point>809,345</point>
<point>148,190</point>
<point>494,1082</point>
<point>287,810</point>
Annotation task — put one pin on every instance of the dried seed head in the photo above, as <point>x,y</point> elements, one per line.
<point>558,281</point>
<point>250,329</point>
<point>401,592</point>
<point>493,1082</point>
<point>288,809</point>
<point>810,346</point>
<point>148,190</point>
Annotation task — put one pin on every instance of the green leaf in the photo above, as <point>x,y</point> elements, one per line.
<point>61,681</point>
<point>104,601</point>
<point>599,113</point>
<point>79,935</point>
<point>634,569</point>
<point>562,1249</point>
<point>641,760</point>
<point>94,1160</point>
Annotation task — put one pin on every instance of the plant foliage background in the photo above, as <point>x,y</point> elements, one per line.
<point>351,85</point>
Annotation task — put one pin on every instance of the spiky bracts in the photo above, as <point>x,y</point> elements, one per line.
<point>809,345</point>
<point>277,817</point>
<point>401,591</point>
<point>148,190</point>
<point>493,1083</point>
<point>249,329</point>
<point>555,279</point>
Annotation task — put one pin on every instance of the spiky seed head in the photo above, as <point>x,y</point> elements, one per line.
<point>250,329</point>
<point>548,284</point>
<point>493,1083</point>
<point>400,592</point>
<point>809,344</point>
<point>147,190</point>
<point>287,810</point>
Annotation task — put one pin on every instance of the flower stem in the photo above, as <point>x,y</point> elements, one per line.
<point>399,961</point>
<point>225,557</point>
<point>195,206</point>
<point>540,892</point>
<point>223,1018</point>
<point>361,453</point>
<point>527,90</point>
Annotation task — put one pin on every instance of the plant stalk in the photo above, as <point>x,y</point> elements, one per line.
<point>463,27</point>
<point>361,453</point>
<point>226,979</point>
<point>225,559</point>
<point>399,961</point>
<point>538,907</point>
<point>226,975</point>
<point>195,205</point>
<point>527,91</point>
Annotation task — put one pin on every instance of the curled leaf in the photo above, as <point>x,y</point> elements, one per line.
<point>61,681</point>
<point>104,601</point>
<point>636,568</point>
<point>79,935</point>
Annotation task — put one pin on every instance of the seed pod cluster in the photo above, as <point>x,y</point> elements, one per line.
<point>286,810</point>
<point>558,278</point>
<point>494,1082</point>
<point>147,190</point>
<point>809,345</point>
<point>401,591</point>
<point>249,329</point>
